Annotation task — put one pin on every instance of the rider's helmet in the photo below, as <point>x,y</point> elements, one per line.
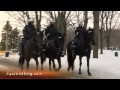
<point>30,21</point>
<point>52,22</point>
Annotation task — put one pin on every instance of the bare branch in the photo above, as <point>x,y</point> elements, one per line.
<point>22,17</point>
<point>68,15</point>
<point>55,15</point>
<point>116,21</point>
<point>15,18</point>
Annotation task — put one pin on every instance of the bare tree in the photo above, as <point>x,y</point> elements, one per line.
<point>23,16</point>
<point>102,27</point>
<point>85,19</point>
<point>38,15</point>
<point>110,17</point>
<point>96,30</point>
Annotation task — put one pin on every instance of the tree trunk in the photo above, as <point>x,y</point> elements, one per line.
<point>101,31</point>
<point>86,19</point>
<point>40,19</point>
<point>61,27</point>
<point>101,41</point>
<point>108,42</point>
<point>96,29</point>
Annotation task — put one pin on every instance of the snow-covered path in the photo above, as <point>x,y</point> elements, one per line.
<point>107,66</point>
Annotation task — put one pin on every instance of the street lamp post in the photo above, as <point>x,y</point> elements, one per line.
<point>6,41</point>
<point>7,53</point>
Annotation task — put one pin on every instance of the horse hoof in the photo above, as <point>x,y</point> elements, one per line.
<point>68,70</point>
<point>72,71</point>
<point>55,70</point>
<point>89,74</point>
<point>80,73</point>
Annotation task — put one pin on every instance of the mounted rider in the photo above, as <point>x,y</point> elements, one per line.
<point>28,32</point>
<point>51,33</point>
<point>79,34</point>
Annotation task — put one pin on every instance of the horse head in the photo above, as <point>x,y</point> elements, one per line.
<point>38,39</point>
<point>90,36</point>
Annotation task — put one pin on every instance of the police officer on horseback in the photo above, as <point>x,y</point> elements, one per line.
<point>51,33</point>
<point>28,32</point>
<point>79,33</point>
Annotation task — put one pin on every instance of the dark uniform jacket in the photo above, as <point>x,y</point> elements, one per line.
<point>79,32</point>
<point>50,32</point>
<point>29,31</point>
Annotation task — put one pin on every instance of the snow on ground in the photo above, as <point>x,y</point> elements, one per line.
<point>106,66</point>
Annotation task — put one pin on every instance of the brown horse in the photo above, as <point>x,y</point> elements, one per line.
<point>32,49</point>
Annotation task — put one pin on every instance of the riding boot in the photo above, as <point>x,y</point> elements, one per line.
<point>62,53</point>
<point>72,46</point>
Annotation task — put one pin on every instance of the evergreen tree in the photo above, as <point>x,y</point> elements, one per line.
<point>13,37</point>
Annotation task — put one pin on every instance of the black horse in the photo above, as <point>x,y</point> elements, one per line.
<point>83,48</point>
<point>54,47</point>
<point>32,49</point>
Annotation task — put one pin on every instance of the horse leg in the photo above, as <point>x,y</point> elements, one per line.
<point>23,58</point>
<point>59,62</point>
<point>88,58</point>
<point>50,64</point>
<point>54,67</point>
<point>27,63</point>
<point>21,62</point>
<point>42,64</point>
<point>68,69</point>
<point>68,64</point>
<point>37,63</point>
<point>72,66</point>
<point>72,63</point>
<point>80,58</point>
